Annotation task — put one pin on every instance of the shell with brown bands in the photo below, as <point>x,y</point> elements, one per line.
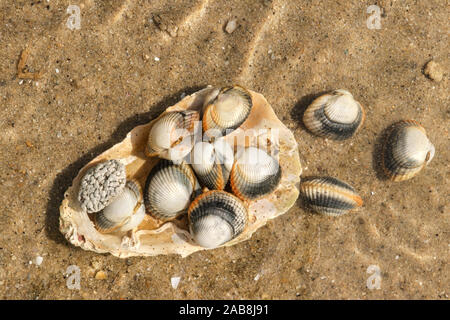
<point>329,196</point>
<point>212,162</point>
<point>216,217</point>
<point>169,137</point>
<point>255,174</point>
<point>406,150</point>
<point>336,115</point>
<point>227,111</point>
<point>169,189</point>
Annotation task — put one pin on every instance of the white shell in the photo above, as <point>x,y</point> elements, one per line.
<point>153,237</point>
<point>216,217</point>
<point>336,115</point>
<point>406,151</point>
<point>255,173</point>
<point>170,136</point>
<point>125,212</point>
<point>212,162</point>
<point>230,108</point>
<point>169,189</point>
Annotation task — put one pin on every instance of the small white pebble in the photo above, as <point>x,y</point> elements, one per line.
<point>257,277</point>
<point>30,262</point>
<point>156,59</point>
<point>397,257</point>
<point>57,70</point>
<point>372,192</point>
<point>231,26</point>
<point>175,281</point>
<point>38,260</point>
<point>21,81</point>
<point>323,278</point>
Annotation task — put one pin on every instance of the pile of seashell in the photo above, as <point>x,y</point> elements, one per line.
<point>338,116</point>
<point>207,172</point>
<point>163,191</point>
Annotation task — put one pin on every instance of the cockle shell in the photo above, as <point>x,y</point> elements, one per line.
<point>336,115</point>
<point>216,217</point>
<point>212,163</point>
<point>329,196</point>
<point>169,189</point>
<point>124,213</point>
<point>255,173</point>
<point>170,137</point>
<point>227,111</point>
<point>153,236</point>
<point>406,151</point>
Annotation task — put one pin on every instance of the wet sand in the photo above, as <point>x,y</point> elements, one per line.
<point>130,60</point>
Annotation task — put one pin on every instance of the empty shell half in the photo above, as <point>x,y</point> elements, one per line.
<point>406,150</point>
<point>212,163</point>
<point>169,189</point>
<point>336,115</point>
<point>255,173</point>
<point>329,196</point>
<point>101,184</point>
<point>216,217</point>
<point>126,212</point>
<point>227,111</point>
<point>170,136</point>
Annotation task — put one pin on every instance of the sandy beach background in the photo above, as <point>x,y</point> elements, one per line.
<point>129,60</point>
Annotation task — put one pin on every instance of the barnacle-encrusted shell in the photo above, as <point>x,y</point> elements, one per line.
<point>255,173</point>
<point>101,184</point>
<point>169,137</point>
<point>169,189</point>
<point>212,163</point>
<point>227,111</point>
<point>216,217</point>
<point>124,213</point>
<point>329,196</point>
<point>406,150</point>
<point>336,115</point>
<point>153,236</point>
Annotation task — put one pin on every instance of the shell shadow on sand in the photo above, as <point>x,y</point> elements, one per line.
<point>377,153</point>
<point>64,179</point>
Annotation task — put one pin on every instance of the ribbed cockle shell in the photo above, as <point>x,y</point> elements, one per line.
<point>227,111</point>
<point>169,189</point>
<point>171,135</point>
<point>212,163</point>
<point>255,173</point>
<point>216,217</point>
<point>329,196</point>
<point>336,115</point>
<point>406,151</point>
<point>126,212</point>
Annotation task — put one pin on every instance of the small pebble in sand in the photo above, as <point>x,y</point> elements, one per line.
<point>156,59</point>
<point>100,275</point>
<point>175,281</point>
<point>433,71</point>
<point>231,26</point>
<point>38,260</point>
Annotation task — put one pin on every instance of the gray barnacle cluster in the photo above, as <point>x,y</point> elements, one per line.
<point>101,185</point>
